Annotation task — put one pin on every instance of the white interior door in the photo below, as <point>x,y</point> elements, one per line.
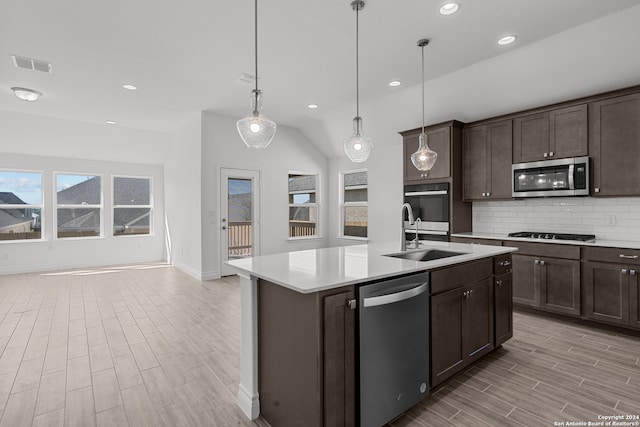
<point>239,215</point>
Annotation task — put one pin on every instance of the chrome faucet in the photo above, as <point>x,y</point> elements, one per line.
<point>417,239</point>
<point>403,237</point>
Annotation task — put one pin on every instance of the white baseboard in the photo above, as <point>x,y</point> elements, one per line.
<point>85,263</point>
<point>249,405</point>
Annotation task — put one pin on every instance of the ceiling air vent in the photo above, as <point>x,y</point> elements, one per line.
<point>32,64</point>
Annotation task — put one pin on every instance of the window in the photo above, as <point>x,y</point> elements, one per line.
<point>131,206</point>
<point>20,205</point>
<point>354,210</point>
<point>78,205</point>
<point>303,205</point>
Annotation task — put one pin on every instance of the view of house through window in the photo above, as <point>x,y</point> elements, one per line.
<point>354,201</point>
<point>131,206</point>
<point>78,205</point>
<point>20,205</point>
<point>303,205</point>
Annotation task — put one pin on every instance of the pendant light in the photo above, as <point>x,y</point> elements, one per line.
<point>256,130</point>
<point>425,157</point>
<point>358,147</point>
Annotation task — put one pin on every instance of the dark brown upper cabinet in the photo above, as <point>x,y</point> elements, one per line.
<point>614,144</point>
<point>487,161</point>
<point>551,134</point>
<point>446,140</point>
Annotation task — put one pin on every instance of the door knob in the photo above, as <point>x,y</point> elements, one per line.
<point>224,227</point>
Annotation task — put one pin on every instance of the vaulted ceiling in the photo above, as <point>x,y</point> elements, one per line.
<point>185,57</point>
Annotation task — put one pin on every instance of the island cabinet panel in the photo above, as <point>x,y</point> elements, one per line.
<point>462,317</point>
<point>306,364</point>
<point>503,297</point>
<point>614,146</point>
<point>487,161</point>
<point>339,361</point>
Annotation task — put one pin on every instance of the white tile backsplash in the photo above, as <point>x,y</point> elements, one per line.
<point>607,218</point>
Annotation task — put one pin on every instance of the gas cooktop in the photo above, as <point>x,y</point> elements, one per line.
<point>554,236</point>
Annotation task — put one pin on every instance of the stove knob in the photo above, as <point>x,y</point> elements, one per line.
<point>548,236</point>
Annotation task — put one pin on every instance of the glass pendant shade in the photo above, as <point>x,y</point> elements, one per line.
<point>358,147</point>
<point>425,157</point>
<point>256,130</point>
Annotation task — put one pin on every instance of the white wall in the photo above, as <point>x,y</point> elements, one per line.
<point>614,218</point>
<point>289,151</point>
<point>183,202</point>
<point>384,174</point>
<point>51,145</point>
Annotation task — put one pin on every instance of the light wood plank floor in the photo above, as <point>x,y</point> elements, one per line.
<point>147,345</point>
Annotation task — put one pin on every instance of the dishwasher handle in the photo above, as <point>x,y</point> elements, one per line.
<point>395,297</point>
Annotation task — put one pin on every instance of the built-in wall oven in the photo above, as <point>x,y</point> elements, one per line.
<point>430,203</point>
<point>562,177</point>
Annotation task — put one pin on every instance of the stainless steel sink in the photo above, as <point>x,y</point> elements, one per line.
<point>425,255</point>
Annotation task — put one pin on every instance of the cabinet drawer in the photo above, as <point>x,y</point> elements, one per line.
<point>624,256</point>
<point>545,249</point>
<point>502,264</point>
<point>454,277</point>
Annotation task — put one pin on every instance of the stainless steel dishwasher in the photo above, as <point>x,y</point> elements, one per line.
<point>393,351</point>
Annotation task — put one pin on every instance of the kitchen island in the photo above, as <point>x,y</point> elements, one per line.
<point>298,364</point>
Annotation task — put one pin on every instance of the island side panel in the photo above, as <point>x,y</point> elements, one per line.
<point>302,361</point>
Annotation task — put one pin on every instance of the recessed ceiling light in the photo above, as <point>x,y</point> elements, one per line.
<point>312,106</point>
<point>128,86</point>
<point>449,8</point>
<point>507,40</point>
<point>395,83</point>
<point>111,122</point>
<point>26,94</point>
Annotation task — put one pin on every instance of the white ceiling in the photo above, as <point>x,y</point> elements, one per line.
<point>186,56</point>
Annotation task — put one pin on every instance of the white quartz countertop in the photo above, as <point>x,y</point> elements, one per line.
<point>317,270</point>
<point>624,244</point>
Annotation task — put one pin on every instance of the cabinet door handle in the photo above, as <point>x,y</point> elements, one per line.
<point>629,256</point>
<point>505,263</point>
<point>488,194</point>
<point>550,153</point>
<point>624,271</point>
<point>499,282</point>
<point>632,272</point>
<point>536,262</point>
<point>597,189</point>
<point>545,155</point>
<point>541,262</point>
<point>351,303</point>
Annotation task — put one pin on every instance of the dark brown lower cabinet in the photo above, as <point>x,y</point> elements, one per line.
<point>461,328</point>
<point>549,283</point>
<point>526,283</point>
<point>306,348</point>
<point>503,305</point>
<point>607,293</point>
<point>634,300</point>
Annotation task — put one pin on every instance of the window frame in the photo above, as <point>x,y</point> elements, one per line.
<point>57,206</point>
<point>114,206</point>
<point>28,206</point>
<point>315,205</point>
<point>343,204</point>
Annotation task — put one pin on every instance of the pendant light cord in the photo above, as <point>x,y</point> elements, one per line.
<point>422,47</point>
<point>357,65</point>
<point>255,34</point>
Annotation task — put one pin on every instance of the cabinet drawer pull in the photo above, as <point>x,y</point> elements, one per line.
<point>624,271</point>
<point>499,282</point>
<point>505,263</point>
<point>632,272</point>
<point>629,256</point>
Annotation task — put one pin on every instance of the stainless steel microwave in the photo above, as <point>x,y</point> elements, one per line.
<point>562,177</point>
